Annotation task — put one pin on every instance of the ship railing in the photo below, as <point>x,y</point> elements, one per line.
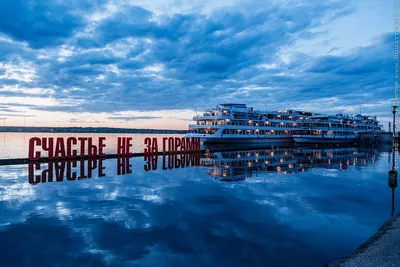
<point>242,127</point>
<point>210,118</point>
<point>319,128</point>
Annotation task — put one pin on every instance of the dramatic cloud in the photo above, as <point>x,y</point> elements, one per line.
<point>42,23</point>
<point>99,56</point>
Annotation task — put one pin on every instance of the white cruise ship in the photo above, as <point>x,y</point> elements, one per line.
<point>335,128</point>
<point>237,123</point>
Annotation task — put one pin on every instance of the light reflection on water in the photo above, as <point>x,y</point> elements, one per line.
<point>259,207</point>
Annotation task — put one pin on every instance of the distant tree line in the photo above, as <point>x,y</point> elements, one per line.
<point>86,130</point>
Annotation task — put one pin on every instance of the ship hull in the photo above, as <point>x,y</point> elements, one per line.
<point>246,140</point>
<point>323,140</point>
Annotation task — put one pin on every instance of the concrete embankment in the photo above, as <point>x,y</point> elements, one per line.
<point>381,250</point>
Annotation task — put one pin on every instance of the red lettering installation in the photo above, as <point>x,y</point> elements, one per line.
<point>69,148</point>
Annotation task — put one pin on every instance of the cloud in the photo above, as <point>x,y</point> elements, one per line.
<point>61,108</point>
<point>41,23</point>
<point>16,115</point>
<point>129,58</point>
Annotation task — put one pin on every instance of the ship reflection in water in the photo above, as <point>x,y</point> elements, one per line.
<point>239,165</point>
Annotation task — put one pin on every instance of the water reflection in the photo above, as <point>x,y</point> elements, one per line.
<point>392,177</point>
<point>71,170</point>
<point>227,166</point>
<point>393,202</point>
<point>291,207</point>
<point>239,165</point>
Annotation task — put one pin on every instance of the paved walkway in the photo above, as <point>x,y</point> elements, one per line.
<point>381,250</point>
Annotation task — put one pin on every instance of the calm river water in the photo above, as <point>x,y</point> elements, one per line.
<point>280,206</point>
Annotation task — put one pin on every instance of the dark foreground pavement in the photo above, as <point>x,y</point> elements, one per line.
<point>381,250</point>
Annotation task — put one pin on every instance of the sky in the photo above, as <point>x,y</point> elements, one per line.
<point>152,63</point>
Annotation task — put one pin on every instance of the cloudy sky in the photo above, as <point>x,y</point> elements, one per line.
<point>150,63</point>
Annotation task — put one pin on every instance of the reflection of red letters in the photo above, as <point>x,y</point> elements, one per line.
<point>171,159</point>
<point>151,162</point>
<point>47,175</point>
<point>65,169</point>
<point>82,171</point>
<point>92,165</point>
<point>123,165</point>
<point>177,160</point>
<point>33,179</point>
<point>163,162</point>
<point>101,168</point>
<point>71,164</point>
<point>183,160</point>
<point>60,169</point>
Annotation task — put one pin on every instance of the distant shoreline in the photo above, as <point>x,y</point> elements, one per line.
<point>22,129</point>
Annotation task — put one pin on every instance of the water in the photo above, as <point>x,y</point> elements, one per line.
<point>260,207</point>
